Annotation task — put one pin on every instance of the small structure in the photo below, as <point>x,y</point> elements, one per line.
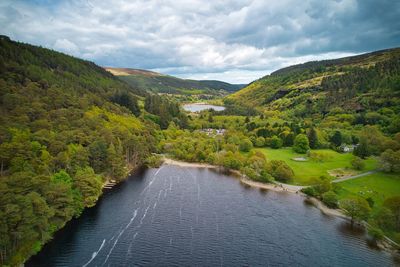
<point>347,148</point>
<point>109,184</point>
<point>213,132</point>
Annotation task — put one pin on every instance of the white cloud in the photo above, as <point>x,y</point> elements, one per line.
<point>204,38</point>
<point>67,46</point>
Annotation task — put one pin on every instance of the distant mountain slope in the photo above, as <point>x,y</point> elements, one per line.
<point>365,82</point>
<point>160,83</point>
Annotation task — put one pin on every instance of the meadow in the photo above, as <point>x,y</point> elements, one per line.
<point>306,172</point>
<point>377,186</point>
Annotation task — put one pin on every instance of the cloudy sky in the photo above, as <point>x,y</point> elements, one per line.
<point>234,40</point>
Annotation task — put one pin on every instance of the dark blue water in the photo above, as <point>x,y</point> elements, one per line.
<point>175,216</point>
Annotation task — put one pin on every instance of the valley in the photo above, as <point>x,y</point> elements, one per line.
<point>69,126</point>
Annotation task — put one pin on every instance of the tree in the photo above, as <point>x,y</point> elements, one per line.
<point>245,145</point>
<point>393,203</point>
<point>263,132</point>
<point>362,150</point>
<point>356,208</point>
<point>390,161</point>
<point>280,170</point>
<point>260,141</point>
<point>78,157</point>
<point>384,218</point>
<point>116,162</point>
<point>376,233</point>
<point>210,117</point>
<point>98,155</point>
<point>330,199</point>
<point>231,160</point>
<point>89,185</point>
<point>313,138</point>
<point>373,140</point>
<point>301,144</point>
<point>336,139</point>
<point>357,163</point>
<point>128,101</point>
<point>323,185</point>
<point>276,142</point>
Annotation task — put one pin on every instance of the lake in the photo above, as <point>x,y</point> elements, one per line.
<point>181,216</point>
<point>196,107</point>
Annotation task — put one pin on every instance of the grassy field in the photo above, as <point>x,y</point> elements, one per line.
<point>306,172</point>
<point>378,186</point>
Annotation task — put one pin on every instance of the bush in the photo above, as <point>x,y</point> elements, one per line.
<point>266,177</point>
<point>384,218</point>
<point>280,170</point>
<point>376,233</point>
<point>390,161</point>
<point>330,199</point>
<point>370,201</point>
<point>318,156</point>
<point>260,142</point>
<point>357,163</point>
<point>250,172</point>
<point>356,208</point>
<point>323,185</point>
<point>301,144</point>
<point>153,161</point>
<point>246,145</point>
<point>276,142</point>
<point>310,191</point>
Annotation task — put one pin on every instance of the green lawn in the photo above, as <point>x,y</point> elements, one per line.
<point>378,186</point>
<point>306,172</point>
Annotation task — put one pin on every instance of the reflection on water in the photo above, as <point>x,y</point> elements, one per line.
<point>175,216</point>
<point>347,228</point>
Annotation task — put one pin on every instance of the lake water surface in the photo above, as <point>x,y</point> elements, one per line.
<point>199,107</point>
<point>180,216</point>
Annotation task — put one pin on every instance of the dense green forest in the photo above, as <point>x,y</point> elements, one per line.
<point>66,126</point>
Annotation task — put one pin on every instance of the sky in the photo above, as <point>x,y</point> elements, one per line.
<point>236,41</point>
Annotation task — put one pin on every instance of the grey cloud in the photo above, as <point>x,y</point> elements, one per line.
<point>204,38</point>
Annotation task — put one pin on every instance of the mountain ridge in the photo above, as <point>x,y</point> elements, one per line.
<point>354,83</point>
<point>163,83</point>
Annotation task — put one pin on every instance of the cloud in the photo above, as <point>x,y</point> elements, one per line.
<point>66,46</point>
<point>235,41</point>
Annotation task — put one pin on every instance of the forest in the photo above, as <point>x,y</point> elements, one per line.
<point>67,126</point>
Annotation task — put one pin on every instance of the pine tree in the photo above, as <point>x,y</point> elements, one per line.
<point>336,138</point>
<point>116,162</point>
<point>313,138</point>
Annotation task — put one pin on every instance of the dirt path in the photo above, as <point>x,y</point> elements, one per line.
<point>354,176</point>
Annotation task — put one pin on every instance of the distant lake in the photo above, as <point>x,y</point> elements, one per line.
<point>179,216</point>
<point>196,107</point>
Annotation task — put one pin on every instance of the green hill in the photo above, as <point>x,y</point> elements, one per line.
<point>360,83</point>
<point>160,83</point>
<point>66,126</point>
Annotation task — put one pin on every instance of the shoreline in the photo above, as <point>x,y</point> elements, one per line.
<point>278,187</point>
<point>386,244</point>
